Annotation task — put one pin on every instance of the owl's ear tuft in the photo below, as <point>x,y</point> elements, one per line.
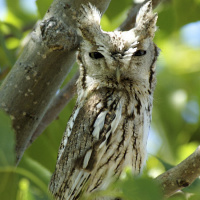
<point>146,21</point>
<point>89,14</point>
<point>88,20</point>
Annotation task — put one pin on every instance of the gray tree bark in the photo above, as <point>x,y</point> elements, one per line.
<point>44,63</point>
<point>180,176</point>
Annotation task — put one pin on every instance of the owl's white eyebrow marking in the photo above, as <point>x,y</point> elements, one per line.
<point>130,52</point>
<point>134,44</point>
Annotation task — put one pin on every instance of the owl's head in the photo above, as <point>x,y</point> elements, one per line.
<point>118,57</point>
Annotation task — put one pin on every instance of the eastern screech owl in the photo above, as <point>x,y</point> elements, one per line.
<point>109,127</point>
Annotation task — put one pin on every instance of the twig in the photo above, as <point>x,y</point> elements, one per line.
<point>60,101</point>
<point>129,22</point>
<point>181,175</point>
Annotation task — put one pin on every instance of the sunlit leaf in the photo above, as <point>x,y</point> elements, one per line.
<point>186,150</point>
<point>11,29</point>
<point>16,12</point>
<point>12,43</point>
<point>23,192</point>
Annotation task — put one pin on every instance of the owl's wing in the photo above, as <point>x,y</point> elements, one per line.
<point>88,129</point>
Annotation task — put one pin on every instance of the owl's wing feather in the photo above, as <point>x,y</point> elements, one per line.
<point>88,129</point>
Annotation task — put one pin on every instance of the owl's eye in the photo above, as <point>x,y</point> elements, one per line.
<point>140,53</point>
<point>95,55</point>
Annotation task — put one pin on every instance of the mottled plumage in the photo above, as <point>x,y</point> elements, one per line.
<point>109,126</point>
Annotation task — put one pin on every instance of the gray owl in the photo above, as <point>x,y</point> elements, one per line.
<point>109,126</point>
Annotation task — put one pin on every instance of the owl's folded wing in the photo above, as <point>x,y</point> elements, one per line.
<point>88,129</point>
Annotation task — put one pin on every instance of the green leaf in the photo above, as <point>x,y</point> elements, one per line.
<point>12,29</point>
<point>117,7</point>
<point>165,164</point>
<point>193,188</point>
<point>8,184</point>
<point>18,13</point>
<point>166,21</point>
<point>115,14</point>
<point>24,190</point>
<point>7,141</point>
<point>36,168</point>
<point>43,6</point>
<point>186,11</point>
<point>178,196</point>
<point>173,15</point>
<point>194,197</point>
<point>18,183</point>
<point>7,56</point>
<point>139,188</point>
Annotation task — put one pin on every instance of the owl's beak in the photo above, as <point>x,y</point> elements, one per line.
<point>118,74</point>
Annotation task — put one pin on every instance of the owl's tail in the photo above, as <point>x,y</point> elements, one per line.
<point>71,188</point>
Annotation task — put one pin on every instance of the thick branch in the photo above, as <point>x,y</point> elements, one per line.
<point>40,70</point>
<point>181,175</point>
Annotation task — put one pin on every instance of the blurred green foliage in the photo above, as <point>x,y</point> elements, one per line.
<point>27,181</point>
<point>175,125</point>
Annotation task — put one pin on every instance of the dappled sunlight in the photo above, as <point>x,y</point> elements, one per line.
<point>185,150</point>
<point>154,142</point>
<point>180,58</point>
<point>154,167</point>
<point>179,98</point>
<point>190,34</point>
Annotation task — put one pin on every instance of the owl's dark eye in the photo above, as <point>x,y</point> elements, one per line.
<point>95,55</point>
<point>140,53</point>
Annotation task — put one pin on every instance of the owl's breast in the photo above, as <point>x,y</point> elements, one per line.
<point>124,144</point>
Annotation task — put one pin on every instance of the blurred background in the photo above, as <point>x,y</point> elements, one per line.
<point>175,130</point>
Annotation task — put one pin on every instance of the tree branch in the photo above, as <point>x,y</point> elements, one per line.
<point>129,22</point>
<point>181,175</point>
<point>32,83</point>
